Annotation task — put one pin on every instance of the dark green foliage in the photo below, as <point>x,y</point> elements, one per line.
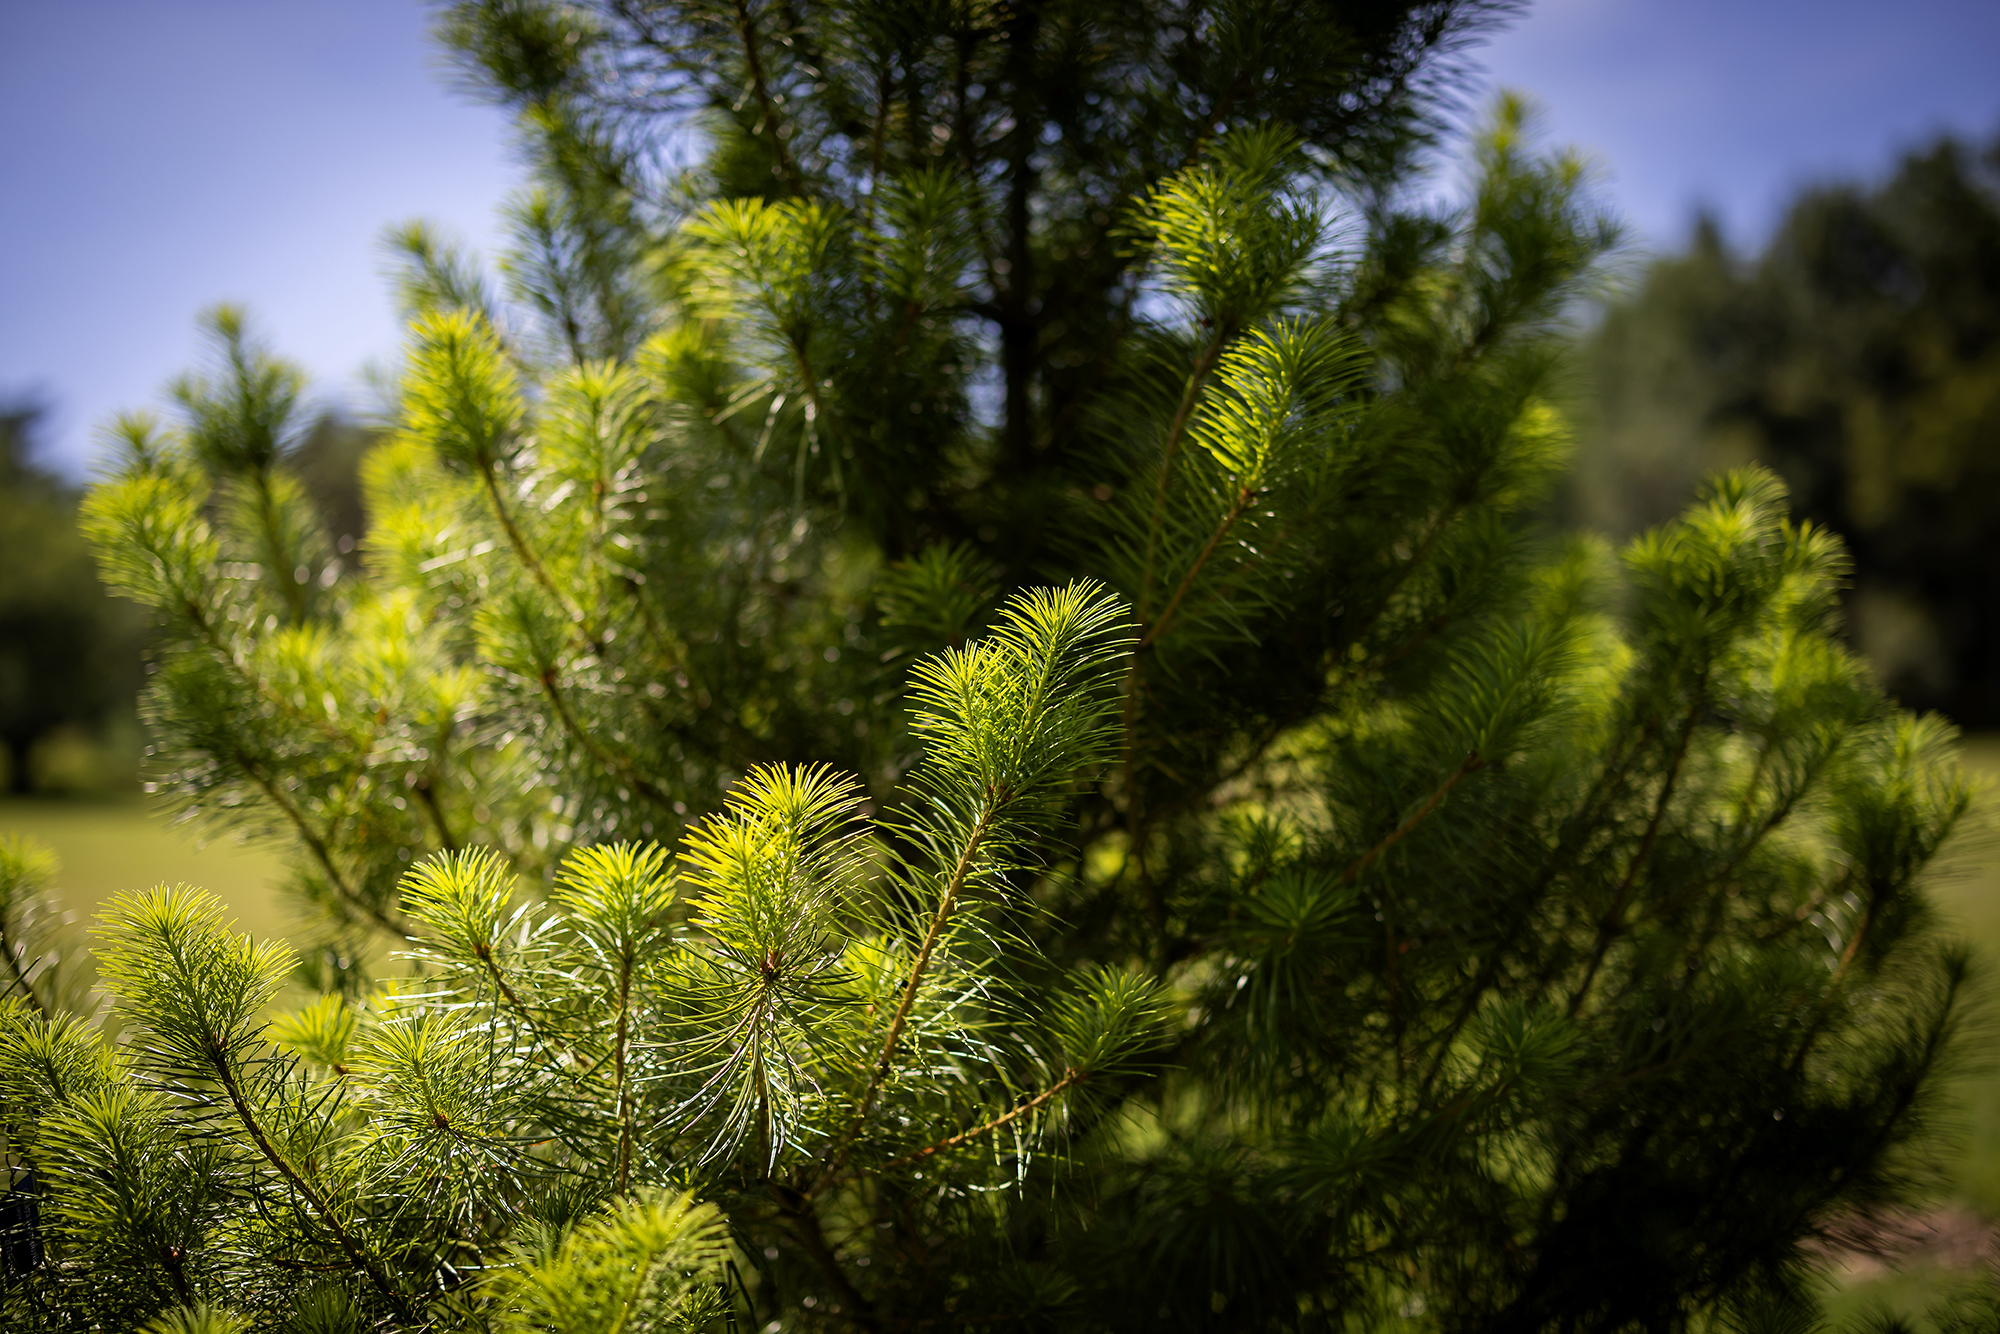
<point>1140,837</point>
<point>1003,145</point>
<point>1859,357</point>
<point>69,667</point>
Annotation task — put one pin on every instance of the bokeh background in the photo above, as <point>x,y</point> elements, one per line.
<point>1812,281</point>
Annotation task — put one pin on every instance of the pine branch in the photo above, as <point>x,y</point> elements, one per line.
<point>280,560</point>
<point>322,853</point>
<point>618,1069</point>
<point>611,764</point>
<point>523,551</point>
<point>963,1137</point>
<point>1614,915</point>
<point>484,953</point>
<point>13,950</point>
<point>1489,973</point>
<point>1170,454</point>
<point>1229,518</point>
<point>1907,1093</point>
<point>1135,816</point>
<point>174,1261</point>
<point>1609,785</point>
<point>427,797</point>
<point>206,632</point>
<point>1472,764</point>
<point>559,1051</point>
<point>802,1219</point>
<point>350,1245</point>
<point>866,1104</point>
<point>767,113</point>
<point>1765,827</point>
<point>816,415</point>
<point>878,134</point>
<point>1425,547</point>
<point>1824,1010</point>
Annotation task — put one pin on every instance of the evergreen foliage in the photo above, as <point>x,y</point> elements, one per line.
<point>883,834</point>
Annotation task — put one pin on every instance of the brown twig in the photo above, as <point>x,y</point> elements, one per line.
<point>321,1207</point>
<point>803,1221</point>
<point>767,114</point>
<point>618,1068</point>
<point>1159,626</point>
<point>1070,1078</point>
<point>316,844</point>
<point>292,592</point>
<point>427,794</point>
<point>522,550</point>
<point>9,947</point>
<point>612,764</point>
<point>1170,451</point>
<point>1472,764</point>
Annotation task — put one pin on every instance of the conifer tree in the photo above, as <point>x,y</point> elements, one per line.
<point>956,716</point>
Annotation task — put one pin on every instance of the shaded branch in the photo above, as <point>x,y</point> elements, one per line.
<point>316,844</point>
<point>1042,1099</point>
<point>612,764</point>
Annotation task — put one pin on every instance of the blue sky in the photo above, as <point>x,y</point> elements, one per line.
<point>1734,106</point>
<point>159,155</point>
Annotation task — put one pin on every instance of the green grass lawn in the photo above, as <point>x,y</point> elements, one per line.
<point>106,847</point>
<point>1966,891</point>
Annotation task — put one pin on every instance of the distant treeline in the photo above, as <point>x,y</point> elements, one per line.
<point>72,658</point>
<point>1859,356</point>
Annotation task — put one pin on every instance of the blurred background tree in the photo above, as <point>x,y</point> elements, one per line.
<point>327,462</point>
<point>1859,356</point>
<point>71,655</point>
<point>69,652</point>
